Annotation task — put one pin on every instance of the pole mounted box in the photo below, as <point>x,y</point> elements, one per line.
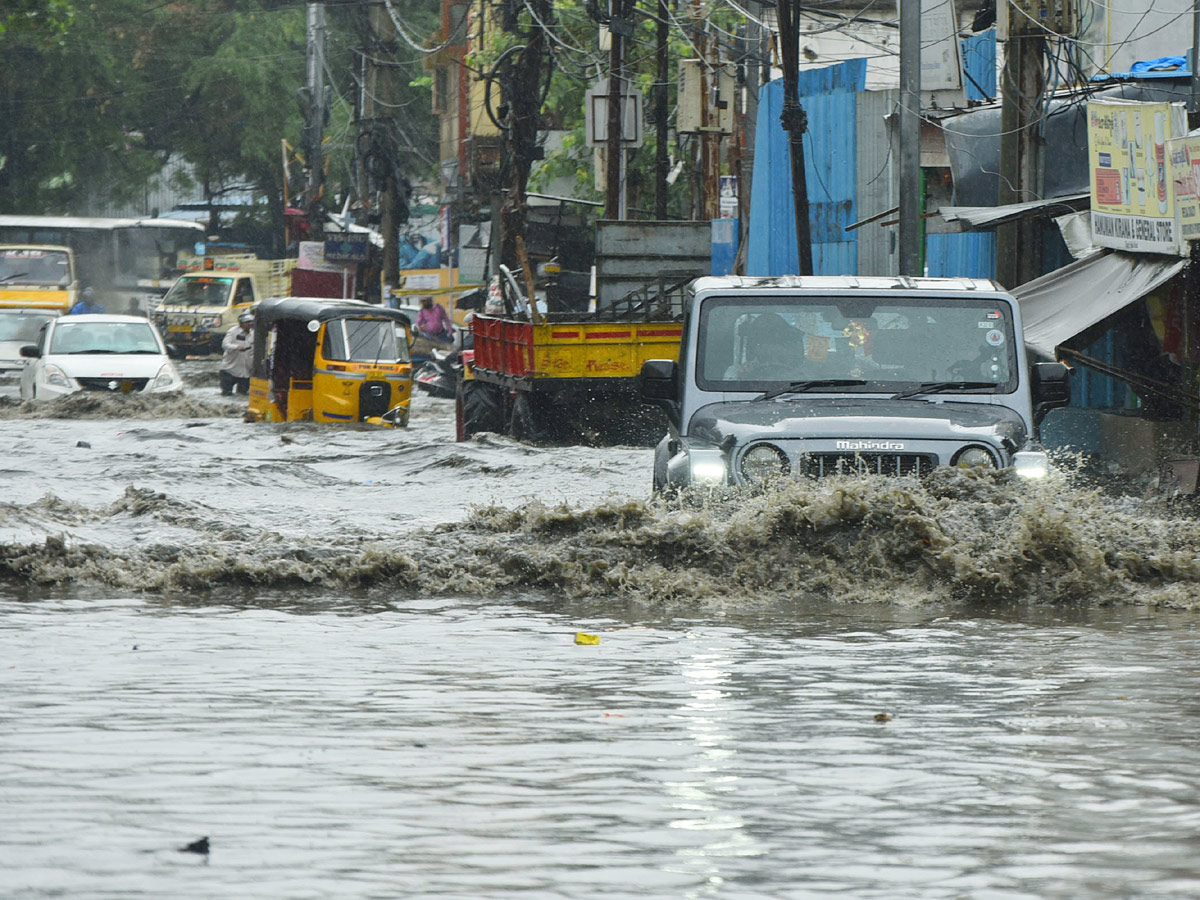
<point>1036,18</point>
<point>705,98</point>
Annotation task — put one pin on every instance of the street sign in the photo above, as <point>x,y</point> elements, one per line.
<point>345,247</point>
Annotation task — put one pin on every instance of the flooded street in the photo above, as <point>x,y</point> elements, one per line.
<point>349,658</point>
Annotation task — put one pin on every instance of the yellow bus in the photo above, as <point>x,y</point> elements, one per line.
<point>38,276</point>
<point>130,263</point>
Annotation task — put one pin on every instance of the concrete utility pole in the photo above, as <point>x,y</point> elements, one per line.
<point>795,123</point>
<point>1194,105</point>
<point>661,123</point>
<point>1018,250</point>
<point>910,138</point>
<point>377,105</point>
<point>614,194</point>
<point>710,133</point>
<point>314,123</point>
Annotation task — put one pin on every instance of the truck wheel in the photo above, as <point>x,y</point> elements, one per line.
<point>478,407</point>
<point>526,424</point>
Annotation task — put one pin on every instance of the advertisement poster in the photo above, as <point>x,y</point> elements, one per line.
<point>1183,161</point>
<point>1133,192</point>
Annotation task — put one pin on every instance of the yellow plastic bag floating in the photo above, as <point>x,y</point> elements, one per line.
<point>581,638</point>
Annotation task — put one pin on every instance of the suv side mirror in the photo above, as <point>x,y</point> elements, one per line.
<point>30,351</point>
<point>174,352</point>
<point>658,380</point>
<point>1051,386</point>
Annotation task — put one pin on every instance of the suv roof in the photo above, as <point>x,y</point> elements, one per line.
<point>846,282</point>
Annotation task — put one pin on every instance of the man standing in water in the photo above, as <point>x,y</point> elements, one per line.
<point>234,373</point>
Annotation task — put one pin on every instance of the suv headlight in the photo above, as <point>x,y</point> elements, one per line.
<point>166,379</point>
<point>764,461</point>
<point>974,457</point>
<point>1031,464</point>
<point>707,466</point>
<point>210,321</point>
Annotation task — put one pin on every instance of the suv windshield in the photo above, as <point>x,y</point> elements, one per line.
<point>758,343</point>
<point>103,337</point>
<point>204,291</point>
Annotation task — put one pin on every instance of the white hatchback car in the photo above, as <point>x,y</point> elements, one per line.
<point>93,352</point>
<point>17,328</point>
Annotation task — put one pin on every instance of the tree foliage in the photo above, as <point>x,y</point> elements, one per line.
<point>97,95</point>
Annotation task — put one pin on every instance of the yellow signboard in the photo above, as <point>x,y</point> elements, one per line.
<point>1183,162</point>
<point>1133,195</point>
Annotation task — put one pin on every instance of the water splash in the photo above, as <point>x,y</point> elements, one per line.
<point>101,405</point>
<point>957,536</point>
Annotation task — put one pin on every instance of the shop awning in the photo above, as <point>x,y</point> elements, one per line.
<point>990,216</point>
<point>1067,301</point>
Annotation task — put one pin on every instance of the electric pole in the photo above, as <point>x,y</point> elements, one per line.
<point>614,189</point>
<point>314,123</point>
<point>523,93</point>
<point>1018,251</point>
<point>661,161</point>
<point>910,137</point>
<point>795,123</point>
<point>377,155</point>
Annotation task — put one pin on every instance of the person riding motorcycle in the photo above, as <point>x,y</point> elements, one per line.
<point>434,322</point>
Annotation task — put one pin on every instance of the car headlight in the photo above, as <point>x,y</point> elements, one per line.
<point>1031,464</point>
<point>974,458</point>
<point>56,377</point>
<point>764,461</point>
<point>166,379</point>
<point>210,321</point>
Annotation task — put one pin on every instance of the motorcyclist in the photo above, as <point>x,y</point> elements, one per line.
<point>434,322</point>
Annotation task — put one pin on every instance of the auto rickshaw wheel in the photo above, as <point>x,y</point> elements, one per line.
<point>478,407</point>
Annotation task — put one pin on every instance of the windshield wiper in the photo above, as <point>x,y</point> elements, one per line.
<point>14,275</point>
<point>799,387</point>
<point>937,387</point>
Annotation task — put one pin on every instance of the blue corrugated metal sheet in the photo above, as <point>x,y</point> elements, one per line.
<point>979,64</point>
<point>835,258</point>
<point>830,171</point>
<point>971,254</point>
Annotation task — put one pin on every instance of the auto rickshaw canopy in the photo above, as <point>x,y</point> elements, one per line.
<point>322,309</point>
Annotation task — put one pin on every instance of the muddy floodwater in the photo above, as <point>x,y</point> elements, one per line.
<point>372,663</point>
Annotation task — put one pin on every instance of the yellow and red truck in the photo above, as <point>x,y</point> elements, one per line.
<point>565,376</point>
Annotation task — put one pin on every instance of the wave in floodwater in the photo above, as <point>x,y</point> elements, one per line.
<point>100,405</point>
<point>956,536</point>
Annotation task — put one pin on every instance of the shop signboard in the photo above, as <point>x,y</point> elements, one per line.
<point>1133,192</point>
<point>1183,166</point>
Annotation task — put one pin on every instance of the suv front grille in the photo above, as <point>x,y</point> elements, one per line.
<point>818,465</point>
<point>119,385</point>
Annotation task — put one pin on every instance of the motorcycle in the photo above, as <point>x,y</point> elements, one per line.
<point>438,375</point>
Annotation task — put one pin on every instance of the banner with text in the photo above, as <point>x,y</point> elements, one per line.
<point>1133,192</point>
<point>1183,160</point>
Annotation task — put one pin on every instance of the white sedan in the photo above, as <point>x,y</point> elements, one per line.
<point>119,354</point>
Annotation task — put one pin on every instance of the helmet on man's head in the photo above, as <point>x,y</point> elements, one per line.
<point>246,318</point>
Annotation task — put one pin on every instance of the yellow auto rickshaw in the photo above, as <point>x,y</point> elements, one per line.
<point>321,360</point>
